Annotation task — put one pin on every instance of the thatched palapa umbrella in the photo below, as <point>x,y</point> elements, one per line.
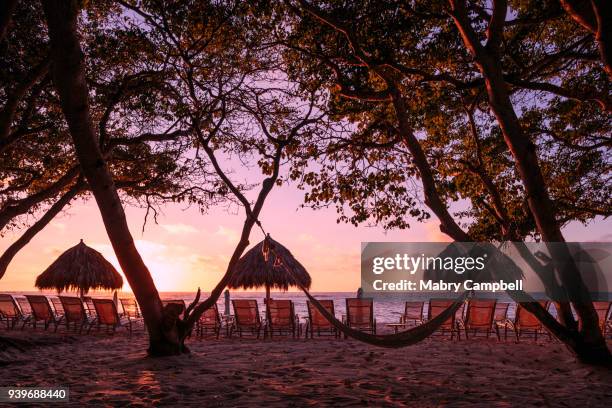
<point>80,268</point>
<point>267,264</point>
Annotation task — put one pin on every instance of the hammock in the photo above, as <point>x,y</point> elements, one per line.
<point>396,340</point>
<point>401,339</point>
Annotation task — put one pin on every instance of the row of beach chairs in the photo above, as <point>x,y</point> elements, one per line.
<point>75,313</point>
<point>485,316</point>
<point>473,317</point>
<point>90,313</point>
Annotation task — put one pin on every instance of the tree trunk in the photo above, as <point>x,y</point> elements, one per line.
<point>68,72</point>
<point>251,219</point>
<point>432,198</point>
<point>447,222</point>
<point>252,215</point>
<point>591,347</point>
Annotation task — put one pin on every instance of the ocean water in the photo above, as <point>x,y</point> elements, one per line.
<point>386,310</point>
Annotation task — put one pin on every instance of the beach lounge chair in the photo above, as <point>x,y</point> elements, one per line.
<point>89,307</point>
<point>413,313</point>
<point>209,321</point>
<point>10,312</point>
<point>58,308</point>
<point>42,312</point>
<point>130,308</point>
<point>412,316</point>
<point>602,309</point>
<point>281,318</point>
<point>437,306</point>
<point>246,317</point>
<point>500,317</point>
<point>24,305</point>
<point>523,323</point>
<point>479,317</point>
<point>360,314</point>
<point>131,312</point>
<point>107,315</point>
<point>317,322</point>
<point>74,312</point>
<point>501,312</point>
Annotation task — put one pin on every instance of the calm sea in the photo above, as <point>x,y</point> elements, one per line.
<point>386,310</point>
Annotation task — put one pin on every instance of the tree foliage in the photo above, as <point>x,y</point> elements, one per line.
<point>554,76</point>
<point>147,153</point>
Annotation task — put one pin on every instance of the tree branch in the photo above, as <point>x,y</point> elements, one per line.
<point>594,16</point>
<point>8,111</point>
<point>39,225</point>
<point>15,208</point>
<point>577,95</point>
<point>495,31</point>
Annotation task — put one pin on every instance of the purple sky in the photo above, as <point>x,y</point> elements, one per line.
<point>188,249</point>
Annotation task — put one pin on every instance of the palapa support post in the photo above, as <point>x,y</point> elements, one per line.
<point>266,254</point>
<point>227,303</point>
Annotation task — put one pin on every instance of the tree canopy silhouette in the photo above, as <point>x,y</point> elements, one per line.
<point>494,117</point>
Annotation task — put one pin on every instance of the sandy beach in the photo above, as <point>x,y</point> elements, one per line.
<point>113,371</point>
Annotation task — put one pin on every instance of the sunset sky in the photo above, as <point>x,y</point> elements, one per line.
<point>188,249</point>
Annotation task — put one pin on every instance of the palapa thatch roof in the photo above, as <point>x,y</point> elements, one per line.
<point>80,268</point>
<point>252,270</point>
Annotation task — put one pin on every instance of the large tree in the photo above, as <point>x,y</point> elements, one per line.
<point>69,78</point>
<point>220,95</point>
<point>402,74</point>
<point>488,59</point>
<point>231,93</point>
<point>39,171</point>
